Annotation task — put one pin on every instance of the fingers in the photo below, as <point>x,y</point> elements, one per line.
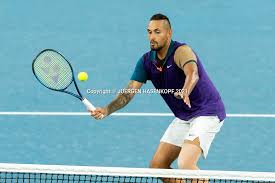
<point>185,98</point>
<point>187,101</point>
<point>98,114</point>
<point>178,95</point>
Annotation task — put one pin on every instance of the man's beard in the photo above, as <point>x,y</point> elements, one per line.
<point>157,48</point>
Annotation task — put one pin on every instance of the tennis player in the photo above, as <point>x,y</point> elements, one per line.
<point>198,108</point>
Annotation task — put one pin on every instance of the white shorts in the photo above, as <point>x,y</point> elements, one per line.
<point>204,127</point>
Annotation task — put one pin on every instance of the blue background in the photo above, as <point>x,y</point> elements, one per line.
<point>234,39</point>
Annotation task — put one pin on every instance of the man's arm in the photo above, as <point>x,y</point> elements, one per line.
<point>119,102</point>
<point>123,98</point>
<point>186,60</point>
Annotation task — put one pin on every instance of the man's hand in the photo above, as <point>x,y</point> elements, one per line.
<point>99,113</point>
<point>184,96</point>
<point>186,100</point>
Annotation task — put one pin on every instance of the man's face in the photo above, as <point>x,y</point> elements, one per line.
<point>159,33</point>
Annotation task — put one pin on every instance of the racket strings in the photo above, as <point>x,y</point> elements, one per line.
<point>53,70</point>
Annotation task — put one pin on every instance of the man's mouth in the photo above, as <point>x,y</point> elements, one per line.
<point>152,43</point>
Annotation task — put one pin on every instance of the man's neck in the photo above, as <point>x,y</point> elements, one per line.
<point>163,52</point>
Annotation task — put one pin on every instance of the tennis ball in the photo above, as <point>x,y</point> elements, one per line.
<point>82,76</point>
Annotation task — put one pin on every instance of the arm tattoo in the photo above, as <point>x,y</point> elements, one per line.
<point>121,100</point>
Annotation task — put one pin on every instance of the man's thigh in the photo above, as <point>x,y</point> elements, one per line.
<point>165,155</point>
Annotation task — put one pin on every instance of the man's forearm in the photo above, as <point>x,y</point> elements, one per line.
<point>121,100</point>
<point>190,82</point>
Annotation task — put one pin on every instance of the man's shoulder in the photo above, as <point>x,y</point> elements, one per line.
<point>178,44</point>
<point>147,56</point>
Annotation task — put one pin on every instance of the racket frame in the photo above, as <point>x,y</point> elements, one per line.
<point>79,96</point>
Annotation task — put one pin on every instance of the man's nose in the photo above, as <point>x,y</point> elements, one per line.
<point>151,37</point>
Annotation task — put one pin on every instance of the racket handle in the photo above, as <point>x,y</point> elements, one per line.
<point>88,104</point>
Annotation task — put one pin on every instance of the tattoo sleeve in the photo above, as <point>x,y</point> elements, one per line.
<point>121,100</point>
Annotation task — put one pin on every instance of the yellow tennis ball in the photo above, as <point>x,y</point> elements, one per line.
<point>82,76</point>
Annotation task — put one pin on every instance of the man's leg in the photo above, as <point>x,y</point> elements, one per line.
<point>190,154</point>
<point>170,144</point>
<point>165,155</point>
<point>201,134</point>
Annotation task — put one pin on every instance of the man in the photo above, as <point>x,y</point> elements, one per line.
<point>196,103</point>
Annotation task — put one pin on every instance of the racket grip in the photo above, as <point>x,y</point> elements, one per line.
<point>88,104</point>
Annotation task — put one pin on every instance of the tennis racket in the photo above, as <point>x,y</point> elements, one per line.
<point>53,71</point>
